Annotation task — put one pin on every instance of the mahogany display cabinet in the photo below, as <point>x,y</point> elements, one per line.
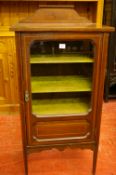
<point>61,59</point>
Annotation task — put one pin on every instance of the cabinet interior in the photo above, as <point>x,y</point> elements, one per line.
<point>61,77</point>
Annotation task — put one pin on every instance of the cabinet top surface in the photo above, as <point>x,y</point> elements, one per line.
<point>57,19</point>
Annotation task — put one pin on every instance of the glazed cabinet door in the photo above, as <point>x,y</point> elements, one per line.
<point>60,80</point>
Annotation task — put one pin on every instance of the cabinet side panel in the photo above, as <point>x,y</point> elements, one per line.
<point>101,84</point>
<point>21,96</point>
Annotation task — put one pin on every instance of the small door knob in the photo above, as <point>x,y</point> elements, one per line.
<point>26,96</point>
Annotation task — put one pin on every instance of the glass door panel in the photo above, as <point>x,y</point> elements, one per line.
<point>61,77</point>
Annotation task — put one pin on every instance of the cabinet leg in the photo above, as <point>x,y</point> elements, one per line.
<point>94,160</point>
<point>25,163</point>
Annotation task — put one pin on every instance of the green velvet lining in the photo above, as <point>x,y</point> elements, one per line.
<point>43,84</point>
<point>60,106</point>
<point>61,58</point>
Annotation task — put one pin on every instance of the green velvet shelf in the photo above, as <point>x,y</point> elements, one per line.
<point>60,58</point>
<point>52,107</point>
<point>48,84</point>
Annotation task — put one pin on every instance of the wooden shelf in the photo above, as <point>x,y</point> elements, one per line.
<point>60,58</point>
<point>51,107</point>
<point>46,84</point>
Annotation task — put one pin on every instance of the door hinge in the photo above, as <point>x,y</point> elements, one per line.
<point>26,96</point>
